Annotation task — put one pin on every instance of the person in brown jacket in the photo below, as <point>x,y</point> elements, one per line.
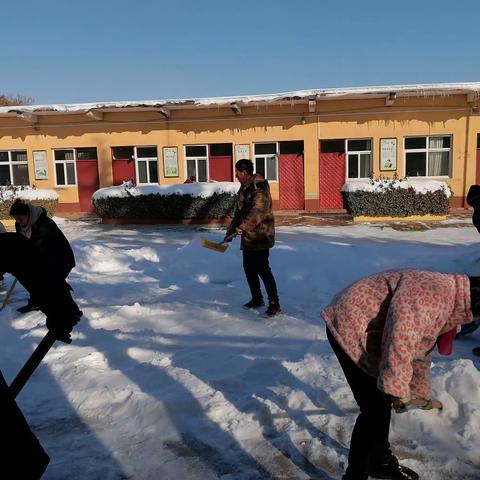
<point>254,222</point>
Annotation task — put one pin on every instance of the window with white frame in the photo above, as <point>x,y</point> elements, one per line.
<point>359,158</point>
<point>64,161</point>
<point>427,156</point>
<point>146,164</point>
<point>14,167</point>
<point>266,163</point>
<point>196,157</point>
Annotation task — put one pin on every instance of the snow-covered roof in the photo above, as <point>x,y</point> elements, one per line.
<point>429,89</point>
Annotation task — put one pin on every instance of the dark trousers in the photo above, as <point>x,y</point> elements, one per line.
<point>369,444</point>
<point>256,266</point>
<point>37,301</point>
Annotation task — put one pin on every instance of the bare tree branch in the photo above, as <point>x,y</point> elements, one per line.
<point>6,100</point>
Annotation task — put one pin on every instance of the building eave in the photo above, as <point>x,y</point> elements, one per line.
<point>293,98</point>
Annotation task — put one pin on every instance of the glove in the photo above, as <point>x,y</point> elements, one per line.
<point>401,405</point>
<point>62,327</point>
<point>228,238</point>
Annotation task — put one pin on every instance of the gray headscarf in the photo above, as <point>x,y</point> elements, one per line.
<point>35,213</point>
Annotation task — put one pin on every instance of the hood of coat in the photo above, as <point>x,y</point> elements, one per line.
<point>461,314</point>
<point>35,214</point>
<point>462,309</point>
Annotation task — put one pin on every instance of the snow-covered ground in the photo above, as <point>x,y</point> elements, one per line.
<point>169,378</point>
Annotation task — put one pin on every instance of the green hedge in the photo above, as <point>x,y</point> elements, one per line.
<point>49,205</point>
<point>169,207</point>
<point>396,202</point>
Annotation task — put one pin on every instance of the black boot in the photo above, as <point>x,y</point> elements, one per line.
<point>254,303</point>
<point>273,309</point>
<point>349,476</point>
<point>392,470</point>
<point>29,307</point>
<point>476,351</point>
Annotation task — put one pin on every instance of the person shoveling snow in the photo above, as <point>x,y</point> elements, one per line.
<point>19,257</point>
<point>383,329</point>
<point>254,222</point>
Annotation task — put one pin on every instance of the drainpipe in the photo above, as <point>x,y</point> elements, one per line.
<point>465,188</point>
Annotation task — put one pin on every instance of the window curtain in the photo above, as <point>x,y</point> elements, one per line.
<point>435,163</point>
<point>19,156</point>
<point>435,142</point>
<point>365,165</point>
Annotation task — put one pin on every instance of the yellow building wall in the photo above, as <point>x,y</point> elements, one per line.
<point>333,119</point>
<point>462,150</point>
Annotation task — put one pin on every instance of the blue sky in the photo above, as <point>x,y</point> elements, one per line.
<point>105,50</point>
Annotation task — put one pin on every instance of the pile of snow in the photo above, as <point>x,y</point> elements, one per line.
<point>196,189</point>
<point>419,185</point>
<point>168,377</point>
<point>27,193</point>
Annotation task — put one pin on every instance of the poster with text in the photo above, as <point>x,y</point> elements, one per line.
<point>40,164</point>
<point>170,161</point>
<point>388,154</point>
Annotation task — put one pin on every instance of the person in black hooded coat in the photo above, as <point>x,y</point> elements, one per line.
<point>473,199</point>
<point>19,257</point>
<point>49,241</point>
<point>52,293</point>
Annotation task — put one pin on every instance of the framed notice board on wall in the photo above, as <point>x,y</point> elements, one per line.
<point>170,162</point>
<point>388,154</point>
<point>40,164</point>
<point>242,151</point>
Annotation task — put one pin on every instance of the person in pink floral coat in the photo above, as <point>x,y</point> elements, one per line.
<point>383,329</point>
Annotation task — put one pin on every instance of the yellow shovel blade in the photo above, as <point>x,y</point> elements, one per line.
<point>218,247</point>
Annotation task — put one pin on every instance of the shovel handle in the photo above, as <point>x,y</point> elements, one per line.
<point>31,364</point>
<point>8,294</point>
<point>229,238</point>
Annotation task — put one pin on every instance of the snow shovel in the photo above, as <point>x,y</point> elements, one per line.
<point>31,364</point>
<point>8,294</point>
<point>220,246</point>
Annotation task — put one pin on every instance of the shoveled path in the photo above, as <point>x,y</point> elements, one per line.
<point>459,217</point>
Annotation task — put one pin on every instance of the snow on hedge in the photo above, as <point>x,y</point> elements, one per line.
<point>419,185</point>
<point>196,189</point>
<point>27,193</point>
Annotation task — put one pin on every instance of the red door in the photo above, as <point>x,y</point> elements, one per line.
<point>291,185</point>
<point>332,178</point>
<point>88,183</point>
<point>220,168</point>
<point>123,170</point>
